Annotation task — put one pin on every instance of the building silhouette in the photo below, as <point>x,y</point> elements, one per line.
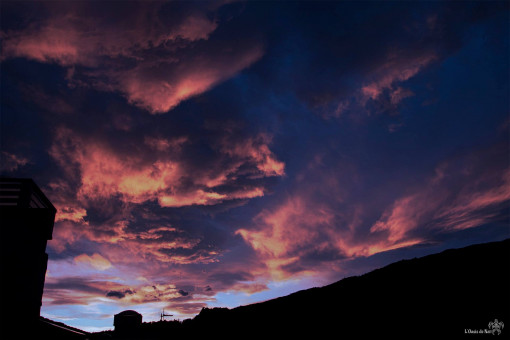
<point>26,224</point>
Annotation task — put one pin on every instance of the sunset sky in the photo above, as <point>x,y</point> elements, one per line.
<point>220,153</point>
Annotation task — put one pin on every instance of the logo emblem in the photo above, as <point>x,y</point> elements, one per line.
<point>496,326</point>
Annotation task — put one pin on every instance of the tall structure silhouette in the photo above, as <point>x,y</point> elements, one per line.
<point>26,224</point>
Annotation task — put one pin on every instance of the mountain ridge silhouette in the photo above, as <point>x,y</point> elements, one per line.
<point>447,293</point>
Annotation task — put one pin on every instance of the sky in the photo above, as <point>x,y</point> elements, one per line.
<point>220,153</point>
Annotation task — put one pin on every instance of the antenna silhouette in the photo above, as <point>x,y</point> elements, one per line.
<point>163,315</point>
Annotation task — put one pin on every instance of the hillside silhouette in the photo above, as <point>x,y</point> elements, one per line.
<point>443,295</point>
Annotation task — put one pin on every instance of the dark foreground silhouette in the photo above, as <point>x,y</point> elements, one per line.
<point>447,295</point>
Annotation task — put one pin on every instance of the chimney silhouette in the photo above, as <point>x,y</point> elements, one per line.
<point>26,224</point>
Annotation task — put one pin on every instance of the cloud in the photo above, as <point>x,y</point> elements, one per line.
<point>96,261</point>
<point>467,191</point>
<point>187,205</point>
<point>187,308</point>
<point>381,89</point>
<point>173,249</point>
<point>11,162</point>
<point>160,86</point>
<point>288,232</point>
<point>397,68</point>
<point>256,151</point>
<point>302,235</point>
<point>165,144</point>
<point>103,172</point>
<point>118,294</point>
<point>229,278</point>
<point>70,213</point>
<point>149,61</point>
<point>81,291</point>
<point>69,37</point>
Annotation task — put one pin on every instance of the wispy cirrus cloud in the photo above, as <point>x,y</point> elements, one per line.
<point>301,236</point>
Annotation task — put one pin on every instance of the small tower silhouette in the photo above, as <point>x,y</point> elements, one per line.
<point>162,315</point>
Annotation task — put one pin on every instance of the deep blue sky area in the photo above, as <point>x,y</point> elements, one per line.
<point>222,153</point>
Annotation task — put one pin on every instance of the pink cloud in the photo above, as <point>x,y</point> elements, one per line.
<point>282,235</point>
<point>70,213</point>
<point>65,233</point>
<point>159,75</point>
<point>442,208</point>
<point>165,144</point>
<point>400,218</point>
<point>49,44</point>
<point>70,38</point>
<point>382,82</point>
<point>255,150</point>
<point>472,207</point>
<point>395,69</point>
<point>11,162</point>
<point>300,236</point>
<point>159,88</point>
<point>96,261</point>
<point>299,227</point>
<point>274,237</point>
<point>69,290</point>
<point>106,173</point>
<point>134,248</point>
<point>160,173</point>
